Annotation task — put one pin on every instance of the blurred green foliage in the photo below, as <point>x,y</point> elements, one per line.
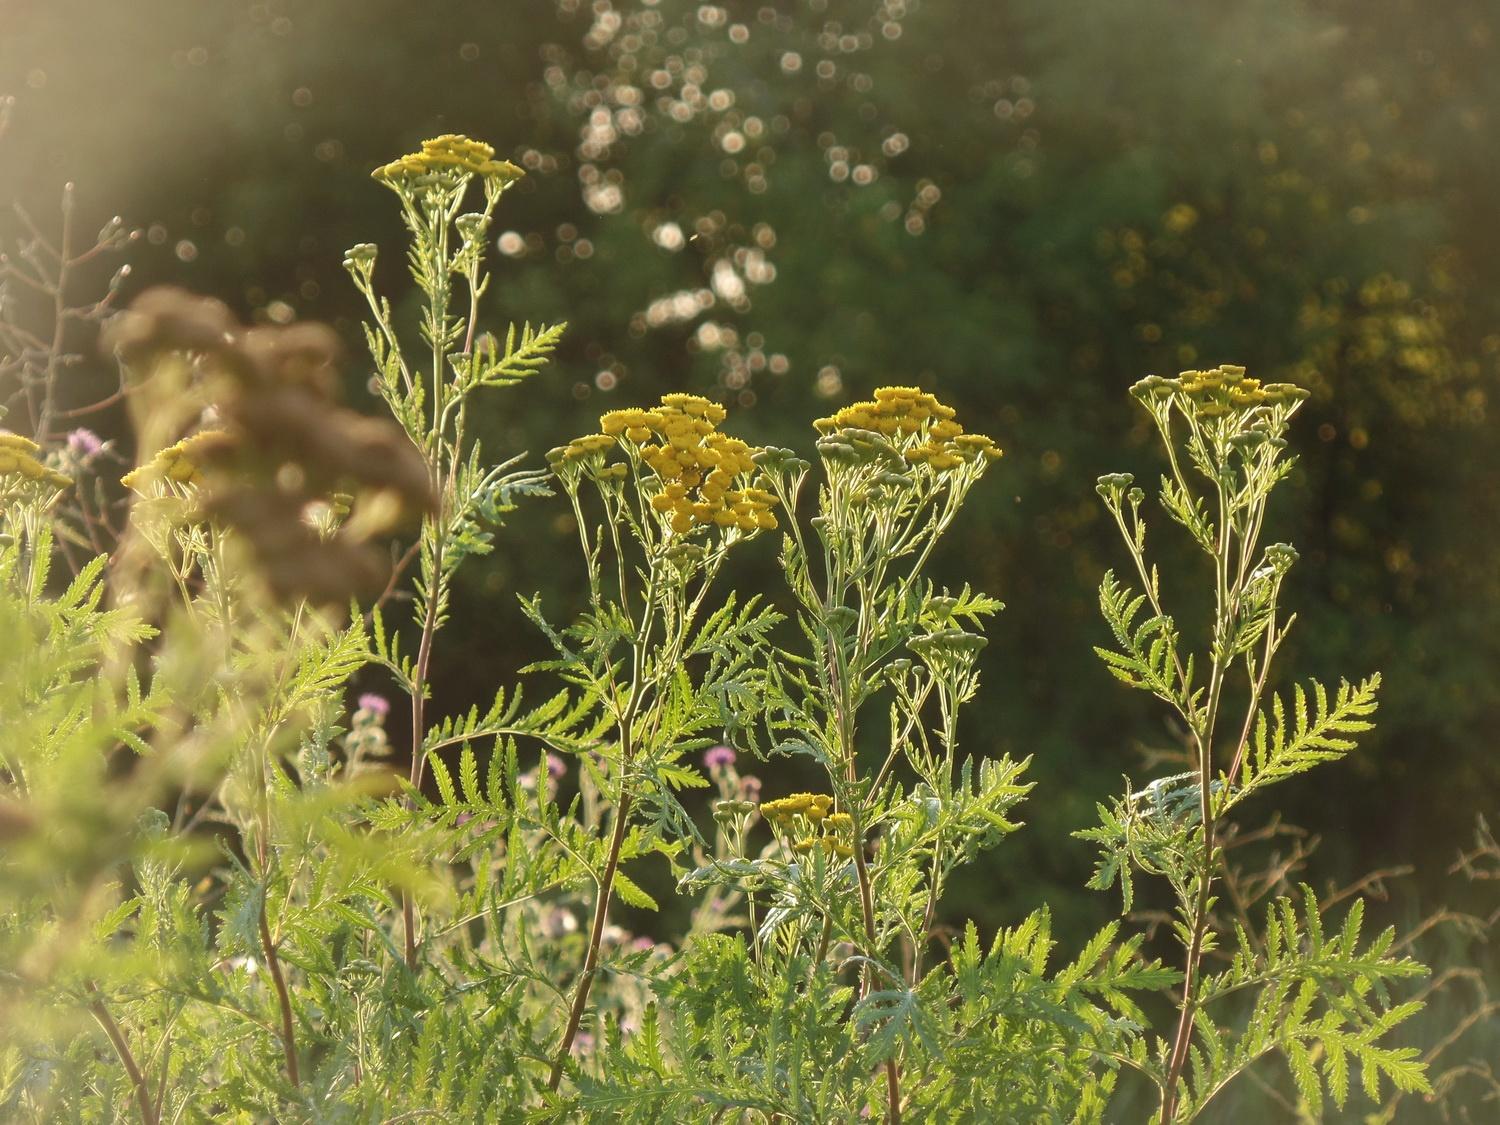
<point>1026,204</point>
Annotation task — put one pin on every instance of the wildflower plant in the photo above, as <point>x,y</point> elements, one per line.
<point>674,500</point>
<point>222,901</point>
<point>430,397</point>
<point>1321,999</point>
<point>834,998</point>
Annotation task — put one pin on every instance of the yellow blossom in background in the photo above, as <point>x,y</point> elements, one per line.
<point>180,463</point>
<point>17,458</point>
<point>450,152</point>
<point>1221,392</point>
<point>1180,218</point>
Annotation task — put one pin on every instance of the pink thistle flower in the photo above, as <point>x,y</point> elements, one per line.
<point>84,443</point>
<point>719,758</point>
<point>377,705</point>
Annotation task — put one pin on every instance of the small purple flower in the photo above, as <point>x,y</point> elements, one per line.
<point>84,443</point>
<point>583,1043</point>
<point>377,705</point>
<point>556,767</point>
<point>643,944</point>
<point>749,788</point>
<point>719,758</point>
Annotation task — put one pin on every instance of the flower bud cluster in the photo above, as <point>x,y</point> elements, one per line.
<point>366,737</point>
<point>913,422</point>
<point>730,810</point>
<point>1112,486</point>
<point>948,652</point>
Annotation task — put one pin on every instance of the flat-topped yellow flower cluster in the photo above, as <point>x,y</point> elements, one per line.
<point>814,806</point>
<point>179,463</point>
<point>698,467</point>
<point>1219,391</point>
<point>18,457</point>
<point>922,428</point>
<point>450,152</point>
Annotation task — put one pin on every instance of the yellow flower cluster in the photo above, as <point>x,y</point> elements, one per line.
<point>179,463</point>
<point>450,151</point>
<point>18,457</point>
<point>697,466</point>
<point>814,806</point>
<point>817,809</point>
<point>918,423</point>
<point>1219,392</point>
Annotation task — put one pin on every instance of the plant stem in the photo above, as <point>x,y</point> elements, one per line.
<point>867,908</point>
<point>418,727</point>
<point>143,1101</point>
<point>616,841</point>
<point>283,997</point>
<point>596,936</point>
<point>1227,605</point>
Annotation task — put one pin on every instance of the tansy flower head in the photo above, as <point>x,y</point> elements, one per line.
<point>1221,392</point>
<point>451,152</point>
<point>904,426</point>
<point>17,460</point>
<point>698,470</point>
<point>180,463</point>
<point>831,845</point>
<point>783,809</point>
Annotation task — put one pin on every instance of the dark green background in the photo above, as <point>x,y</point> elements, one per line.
<point>1105,190</point>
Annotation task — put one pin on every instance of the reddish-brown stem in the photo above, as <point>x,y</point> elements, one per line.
<point>93,407</point>
<point>596,936</point>
<point>283,998</point>
<point>1184,1035</point>
<point>127,1057</point>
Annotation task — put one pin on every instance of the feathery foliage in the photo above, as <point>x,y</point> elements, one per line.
<point>222,901</point>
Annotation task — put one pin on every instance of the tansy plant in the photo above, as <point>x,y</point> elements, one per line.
<point>829,1008</point>
<point>430,393</point>
<point>1321,999</point>
<point>221,903</point>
